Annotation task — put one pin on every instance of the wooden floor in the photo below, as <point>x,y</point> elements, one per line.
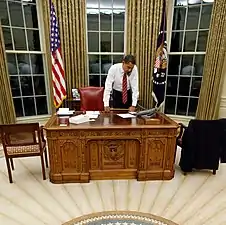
<point>197,199</point>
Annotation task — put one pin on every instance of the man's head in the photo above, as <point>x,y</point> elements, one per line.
<point>128,63</point>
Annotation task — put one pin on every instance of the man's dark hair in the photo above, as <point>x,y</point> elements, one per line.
<point>129,58</point>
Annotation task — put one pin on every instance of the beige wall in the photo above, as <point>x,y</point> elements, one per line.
<point>222,111</point>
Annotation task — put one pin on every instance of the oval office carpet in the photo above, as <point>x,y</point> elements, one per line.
<point>120,218</point>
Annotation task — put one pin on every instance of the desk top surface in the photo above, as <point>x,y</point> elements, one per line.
<point>110,121</point>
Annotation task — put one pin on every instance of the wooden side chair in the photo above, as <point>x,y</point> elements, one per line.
<point>23,140</point>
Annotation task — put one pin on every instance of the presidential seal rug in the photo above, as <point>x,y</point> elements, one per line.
<point>120,218</point>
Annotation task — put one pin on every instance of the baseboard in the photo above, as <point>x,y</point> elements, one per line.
<point>34,119</point>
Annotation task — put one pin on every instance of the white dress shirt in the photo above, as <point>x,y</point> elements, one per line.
<point>114,80</point>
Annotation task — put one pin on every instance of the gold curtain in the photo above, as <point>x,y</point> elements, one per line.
<point>71,16</point>
<point>7,111</point>
<point>209,99</point>
<point>143,24</point>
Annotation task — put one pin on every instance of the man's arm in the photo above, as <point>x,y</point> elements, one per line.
<point>134,86</point>
<point>108,86</point>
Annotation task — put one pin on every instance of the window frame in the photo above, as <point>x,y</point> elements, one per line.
<point>42,52</point>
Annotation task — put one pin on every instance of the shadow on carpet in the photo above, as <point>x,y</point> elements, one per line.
<point>120,218</point>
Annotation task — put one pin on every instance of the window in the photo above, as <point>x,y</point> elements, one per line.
<point>24,56</point>
<point>190,27</point>
<point>105,28</point>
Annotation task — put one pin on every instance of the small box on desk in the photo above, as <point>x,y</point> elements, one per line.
<point>151,120</point>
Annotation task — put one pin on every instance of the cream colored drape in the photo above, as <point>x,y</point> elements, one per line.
<point>7,111</point>
<point>143,24</point>
<point>209,99</point>
<point>71,16</point>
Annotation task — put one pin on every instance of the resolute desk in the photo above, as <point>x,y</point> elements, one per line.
<point>111,148</point>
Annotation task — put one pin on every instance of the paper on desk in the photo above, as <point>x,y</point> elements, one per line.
<point>92,113</point>
<point>65,111</point>
<point>126,115</point>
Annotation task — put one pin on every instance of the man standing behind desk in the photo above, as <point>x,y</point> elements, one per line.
<point>123,79</point>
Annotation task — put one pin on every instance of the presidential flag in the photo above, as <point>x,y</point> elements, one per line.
<point>58,77</point>
<point>160,66</point>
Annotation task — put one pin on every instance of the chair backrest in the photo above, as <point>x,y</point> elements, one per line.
<point>91,98</point>
<point>20,134</point>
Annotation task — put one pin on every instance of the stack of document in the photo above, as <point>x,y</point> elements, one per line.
<point>65,112</point>
<point>79,119</point>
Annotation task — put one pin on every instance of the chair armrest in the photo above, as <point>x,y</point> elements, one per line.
<point>42,134</point>
<point>182,128</point>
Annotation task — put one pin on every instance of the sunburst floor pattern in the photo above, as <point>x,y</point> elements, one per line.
<point>196,199</point>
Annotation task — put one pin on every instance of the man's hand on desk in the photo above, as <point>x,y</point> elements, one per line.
<point>132,109</point>
<point>107,109</point>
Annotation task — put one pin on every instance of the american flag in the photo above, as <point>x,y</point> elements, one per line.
<point>160,67</point>
<point>59,85</point>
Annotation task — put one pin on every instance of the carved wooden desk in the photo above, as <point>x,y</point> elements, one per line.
<point>111,148</point>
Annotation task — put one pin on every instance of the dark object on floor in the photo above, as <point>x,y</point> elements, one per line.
<point>203,145</point>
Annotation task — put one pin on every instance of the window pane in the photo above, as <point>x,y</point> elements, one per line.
<point>205,17</point>
<point>15,87</point>
<point>29,106</point>
<point>105,3</point>
<point>41,104</point>
<point>193,17</point>
<point>33,40</point>
<point>199,63</point>
<point>202,41</point>
<point>176,41</point>
<point>92,20</point>
<point>23,61</point>
<point>118,20</point>
<point>105,42</point>
<point>172,83</point>
<point>190,40</point>
<point>39,85</point>
<point>92,3</point>
<point>117,58</point>
<point>94,80</point>
<point>37,64</point>
<point>26,85</point>
<point>19,39</point>
<point>16,18</point>
<point>174,63</point>
<point>11,62</point>
<point>196,86</point>
<point>105,20</point>
<point>18,107</point>
<point>94,64</point>
<point>103,79</point>
<point>192,106</point>
<point>184,85</point>
<point>179,18</point>
<point>187,67</point>
<point>118,42</point>
<point>7,38</point>
<point>3,13</point>
<point>182,104</point>
<point>106,62</point>
<point>119,4</point>
<point>170,105</point>
<point>93,42</point>
<point>30,13</point>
